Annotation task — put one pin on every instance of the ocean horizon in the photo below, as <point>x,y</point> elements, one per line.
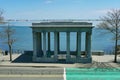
<point>100,40</point>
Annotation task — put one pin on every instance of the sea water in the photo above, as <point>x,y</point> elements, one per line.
<point>101,41</point>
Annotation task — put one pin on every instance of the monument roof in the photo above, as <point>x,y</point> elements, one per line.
<point>62,24</point>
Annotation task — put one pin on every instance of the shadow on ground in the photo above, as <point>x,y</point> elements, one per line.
<point>23,58</point>
<point>27,58</point>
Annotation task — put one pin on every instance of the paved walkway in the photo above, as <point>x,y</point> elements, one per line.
<point>31,71</point>
<point>98,61</point>
<point>26,70</point>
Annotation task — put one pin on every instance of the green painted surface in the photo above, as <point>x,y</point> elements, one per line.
<point>92,74</point>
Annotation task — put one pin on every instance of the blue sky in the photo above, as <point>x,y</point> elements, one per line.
<point>57,9</point>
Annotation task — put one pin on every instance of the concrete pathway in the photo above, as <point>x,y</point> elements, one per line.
<point>98,61</point>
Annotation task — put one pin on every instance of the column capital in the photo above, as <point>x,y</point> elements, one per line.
<point>68,31</point>
<point>89,32</point>
<point>44,32</point>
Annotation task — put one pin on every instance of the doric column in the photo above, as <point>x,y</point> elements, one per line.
<point>34,45</point>
<point>78,44</point>
<point>39,42</point>
<point>44,44</point>
<point>58,41</point>
<point>68,45</point>
<point>48,41</point>
<point>76,41</point>
<point>55,45</point>
<point>88,44</point>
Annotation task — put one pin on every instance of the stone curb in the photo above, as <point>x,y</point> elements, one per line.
<point>31,76</point>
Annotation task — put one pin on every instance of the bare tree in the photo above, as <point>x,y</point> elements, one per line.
<point>111,23</point>
<point>9,39</point>
<point>7,34</point>
<point>1,16</point>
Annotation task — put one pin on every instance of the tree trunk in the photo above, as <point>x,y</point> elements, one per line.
<point>116,41</point>
<point>10,51</point>
<point>115,59</point>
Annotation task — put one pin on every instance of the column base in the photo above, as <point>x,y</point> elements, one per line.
<point>55,58</point>
<point>68,58</point>
<point>34,59</point>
